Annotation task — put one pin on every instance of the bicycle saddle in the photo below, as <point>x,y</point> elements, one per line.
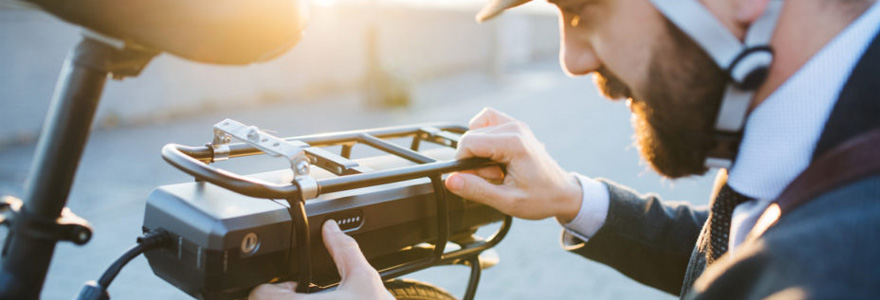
<point>210,31</point>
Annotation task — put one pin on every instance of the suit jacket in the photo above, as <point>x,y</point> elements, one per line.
<point>827,248</point>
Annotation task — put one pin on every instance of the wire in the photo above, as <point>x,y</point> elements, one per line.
<point>114,269</point>
<point>152,240</point>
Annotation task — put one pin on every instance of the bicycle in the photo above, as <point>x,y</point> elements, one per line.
<point>123,50</point>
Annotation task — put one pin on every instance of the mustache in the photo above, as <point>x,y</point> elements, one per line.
<point>610,85</point>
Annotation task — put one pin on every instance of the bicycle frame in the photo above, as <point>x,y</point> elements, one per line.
<point>42,220</point>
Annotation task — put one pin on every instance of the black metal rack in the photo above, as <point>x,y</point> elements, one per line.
<point>195,161</point>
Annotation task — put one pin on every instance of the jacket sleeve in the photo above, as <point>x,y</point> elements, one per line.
<point>645,238</point>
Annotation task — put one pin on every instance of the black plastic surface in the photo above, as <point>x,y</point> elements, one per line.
<point>209,224</point>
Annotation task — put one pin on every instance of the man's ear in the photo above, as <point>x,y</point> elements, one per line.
<point>747,11</point>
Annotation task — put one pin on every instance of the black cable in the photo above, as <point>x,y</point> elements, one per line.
<point>114,269</point>
<point>474,279</point>
<point>152,240</point>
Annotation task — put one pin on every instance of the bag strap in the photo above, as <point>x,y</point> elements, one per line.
<point>854,159</point>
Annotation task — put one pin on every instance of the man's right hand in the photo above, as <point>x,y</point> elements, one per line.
<point>533,187</point>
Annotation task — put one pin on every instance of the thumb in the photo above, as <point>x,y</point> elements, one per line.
<point>345,252</point>
<point>473,187</point>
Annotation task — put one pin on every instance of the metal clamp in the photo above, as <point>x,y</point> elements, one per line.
<point>271,145</point>
<point>220,145</point>
<point>68,227</point>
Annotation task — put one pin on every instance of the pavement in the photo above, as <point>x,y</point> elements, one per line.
<point>584,132</point>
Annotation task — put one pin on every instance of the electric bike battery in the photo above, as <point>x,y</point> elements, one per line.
<point>225,243</point>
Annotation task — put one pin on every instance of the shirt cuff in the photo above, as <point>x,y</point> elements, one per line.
<point>593,213</point>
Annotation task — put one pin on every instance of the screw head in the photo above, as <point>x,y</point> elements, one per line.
<point>253,133</point>
<point>302,167</point>
<point>81,236</point>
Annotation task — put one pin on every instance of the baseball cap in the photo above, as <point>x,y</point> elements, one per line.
<point>496,7</point>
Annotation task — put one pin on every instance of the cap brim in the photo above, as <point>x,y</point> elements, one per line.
<point>496,7</point>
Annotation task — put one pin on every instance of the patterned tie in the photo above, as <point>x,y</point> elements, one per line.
<point>719,221</point>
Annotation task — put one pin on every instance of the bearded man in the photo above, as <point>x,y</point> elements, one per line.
<point>783,97</point>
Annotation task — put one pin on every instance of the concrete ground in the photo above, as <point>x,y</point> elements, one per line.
<point>585,133</point>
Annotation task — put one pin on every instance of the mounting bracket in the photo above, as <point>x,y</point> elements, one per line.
<point>69,227</point>
<point>271,145</point>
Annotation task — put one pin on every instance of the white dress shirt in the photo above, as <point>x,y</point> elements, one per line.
<point>779,138</point>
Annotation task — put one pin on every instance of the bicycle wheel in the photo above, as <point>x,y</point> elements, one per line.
<point>407,289</point>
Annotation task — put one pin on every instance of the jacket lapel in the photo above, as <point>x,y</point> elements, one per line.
<point>858,106</point>
<point>856,111</point>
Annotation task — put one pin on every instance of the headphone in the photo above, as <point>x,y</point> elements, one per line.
<point>746,64</point>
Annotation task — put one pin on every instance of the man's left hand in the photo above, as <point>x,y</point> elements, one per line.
<point>359,279</point>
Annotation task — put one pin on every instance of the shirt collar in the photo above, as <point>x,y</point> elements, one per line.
<point>781,133</point>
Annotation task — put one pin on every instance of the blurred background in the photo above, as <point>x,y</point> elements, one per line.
<point>361,64</point>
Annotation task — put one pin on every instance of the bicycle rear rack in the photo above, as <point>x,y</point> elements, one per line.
<point>195,161</point>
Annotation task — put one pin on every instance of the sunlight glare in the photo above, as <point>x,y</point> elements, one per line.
<point>324,2</point>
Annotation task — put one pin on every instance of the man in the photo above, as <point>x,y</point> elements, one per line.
<point>764,90</point>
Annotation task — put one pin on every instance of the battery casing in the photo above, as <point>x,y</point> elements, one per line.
<point>225,243</point>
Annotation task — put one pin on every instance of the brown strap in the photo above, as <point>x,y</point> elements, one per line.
<point>856,158</point>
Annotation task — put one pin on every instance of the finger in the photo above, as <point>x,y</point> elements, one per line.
<point>490,173</point>
<point>287,285</point>
<point>511,127</point>
<point>489,117</point>
<point>514,126</point>
<point>284,290</point>
<point>345,251</point>
<point>497,147</point>
<point>475,188</point>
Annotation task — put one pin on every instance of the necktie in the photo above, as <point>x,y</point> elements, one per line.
<point>719,221</point>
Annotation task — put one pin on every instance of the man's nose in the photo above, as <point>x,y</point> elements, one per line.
<point>576,54</point>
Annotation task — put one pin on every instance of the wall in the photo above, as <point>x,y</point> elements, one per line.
<point>344,46</point>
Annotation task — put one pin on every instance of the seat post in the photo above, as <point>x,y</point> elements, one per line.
<point>29,246</point>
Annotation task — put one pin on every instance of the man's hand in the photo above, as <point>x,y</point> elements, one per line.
<point>534,187</point>
<point>359,279</point>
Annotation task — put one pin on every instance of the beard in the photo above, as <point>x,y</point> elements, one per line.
<point>674,114</point>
